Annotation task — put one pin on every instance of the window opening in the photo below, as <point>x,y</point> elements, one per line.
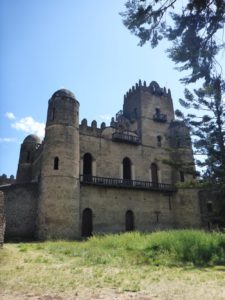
<point>87,160</point>
<point>56,163</point>
<point>28,157</point>
<point>182,179</point>
<point>154,172</point>
<point>126,168</point>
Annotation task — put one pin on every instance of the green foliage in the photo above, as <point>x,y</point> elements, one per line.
<point>169,248</point>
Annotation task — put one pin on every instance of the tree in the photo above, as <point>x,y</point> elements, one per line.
<point>196,34</point>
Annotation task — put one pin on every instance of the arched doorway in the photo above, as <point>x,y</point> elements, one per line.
<point>87,169</point>
<point>154,173</point>
<point>87,225</point>
<point>126,168</point>
<point>129,221</point>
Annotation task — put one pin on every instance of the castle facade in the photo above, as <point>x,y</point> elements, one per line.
<point>82,179</point>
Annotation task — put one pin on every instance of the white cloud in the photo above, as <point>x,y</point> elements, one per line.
<point>10,116</point>
<point>105,117</point>
<point>7,140</point>
<point>29,125</point>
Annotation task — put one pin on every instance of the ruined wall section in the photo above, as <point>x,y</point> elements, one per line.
<point>21,211</point>
<point>186,208</point>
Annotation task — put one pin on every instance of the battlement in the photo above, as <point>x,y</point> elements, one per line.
<point>152,88</point>
<point>91,130</point>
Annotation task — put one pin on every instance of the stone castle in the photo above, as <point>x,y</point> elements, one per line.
<point>85,179</point>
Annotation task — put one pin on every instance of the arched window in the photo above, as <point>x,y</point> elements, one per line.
<point>56,163</point>
<point>87,171</point>
<point>87,226</point>
<point>126,168</point>
<point>154,173</point>
<point>129,221</point>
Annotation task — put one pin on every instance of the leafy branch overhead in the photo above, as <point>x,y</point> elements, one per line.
<point>195,30</point>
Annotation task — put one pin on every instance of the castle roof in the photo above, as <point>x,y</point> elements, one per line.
<point>32,138</point>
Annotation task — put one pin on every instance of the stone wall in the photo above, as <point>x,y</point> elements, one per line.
<point>20,211</point>
<point>186,208</point>
<point>152,210</point>
<point>2,219</point>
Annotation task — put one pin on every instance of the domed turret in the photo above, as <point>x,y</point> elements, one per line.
<point>62,108</point>
<point>63,93</point>
<point>32,138</point>
<point>27,152</point>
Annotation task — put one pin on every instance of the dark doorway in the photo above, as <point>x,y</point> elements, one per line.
<point>87,226</point>
<point>126,168</point>
<point>154,172</point>
<point>129,221</point>
<point>87,164</point>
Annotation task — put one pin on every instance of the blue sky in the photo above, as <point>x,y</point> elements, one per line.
<point>79,45</point>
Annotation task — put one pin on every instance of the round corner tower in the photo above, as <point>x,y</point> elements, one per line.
<point>59,189</point>
<point>27,150</point>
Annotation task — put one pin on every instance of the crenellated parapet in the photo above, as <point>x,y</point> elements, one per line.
<point>152,88</point>
<point>91,130</point>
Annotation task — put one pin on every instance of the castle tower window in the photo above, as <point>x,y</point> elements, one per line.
<point>87,164</point>
<point>56,163</point>
<point>182,179</point>
<point>126,168</point>
<point>28,157</point>
<point>159,140</point>
<point>154,173</point>
<point>129,221</point>
<point>87,223</point>
<point>53,114</point>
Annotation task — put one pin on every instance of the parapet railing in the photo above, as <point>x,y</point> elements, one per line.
<point>126,183</point>
<point>126,138</point>
<point>158,117</point>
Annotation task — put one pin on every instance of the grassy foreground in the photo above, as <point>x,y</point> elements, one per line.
<point>125,262</point>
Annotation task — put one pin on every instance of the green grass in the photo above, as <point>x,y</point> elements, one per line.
<point>131,261</point>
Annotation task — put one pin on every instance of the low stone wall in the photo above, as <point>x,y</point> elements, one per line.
<point>20,211</point>
<point>2,219</point>
<point>186,208</point>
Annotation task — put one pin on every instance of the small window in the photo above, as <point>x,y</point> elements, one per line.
<point>56,163</point>
<point>53,114</point>
<point>154,173</point>
<point>28,157</point>
<point>182,179</point>
<point>209,206</point>
<point>159,140</point>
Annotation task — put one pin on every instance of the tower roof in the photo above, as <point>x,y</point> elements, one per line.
<point>32,138</point>
<point>63,93</point>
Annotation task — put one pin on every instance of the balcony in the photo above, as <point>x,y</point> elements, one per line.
<point>126,183</point>
<point>158,117</point>
<point>125,138</point>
